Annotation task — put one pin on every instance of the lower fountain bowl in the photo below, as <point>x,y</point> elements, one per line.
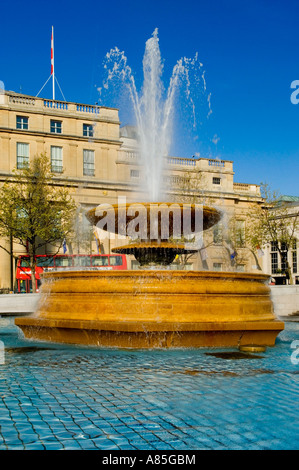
<point>154,309</point>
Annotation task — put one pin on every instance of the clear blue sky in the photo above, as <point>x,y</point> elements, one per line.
<point>250,52</point>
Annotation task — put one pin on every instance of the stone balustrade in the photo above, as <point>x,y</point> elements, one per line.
<point>11,99</point>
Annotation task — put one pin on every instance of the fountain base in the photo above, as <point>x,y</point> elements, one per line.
<point>167,335</point>
<point>154,309</point>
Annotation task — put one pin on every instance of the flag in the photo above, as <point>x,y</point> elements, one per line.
<point>64,246</point>
<point>52,53</point>
<point>231,250</point>
<point>97,243</point>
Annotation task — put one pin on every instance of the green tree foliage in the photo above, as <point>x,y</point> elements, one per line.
<point>34,211</point>
<point>273,222</point>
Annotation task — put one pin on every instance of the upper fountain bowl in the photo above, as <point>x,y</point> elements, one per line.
<point>153,220</point>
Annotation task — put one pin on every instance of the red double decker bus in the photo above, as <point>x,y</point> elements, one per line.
<point>45,263</point>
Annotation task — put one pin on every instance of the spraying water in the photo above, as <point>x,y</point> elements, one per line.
<point>154,106</point>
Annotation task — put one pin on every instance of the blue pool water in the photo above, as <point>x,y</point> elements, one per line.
<point>67,397</point>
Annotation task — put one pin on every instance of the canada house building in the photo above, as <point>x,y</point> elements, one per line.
<point>98,161</point>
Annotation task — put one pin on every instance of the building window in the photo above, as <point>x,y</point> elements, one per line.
<point>87,130</point>
<point>217,267</point>
<point>134,173</point>
<point>216,180</point>
<point>175,180</point>
<point>240,233</point>
<point>22,122</point>
<point>284,261</point>
<point>217,235</point>
<point>294,259</point>
<point>274,262</point>
<point>56,159</point>
<point>88,162</point>
<point>240,268</point>
<point>274,246</point>
<point>294,255</point>
<point>22,155</point>
<point>284,257</point>
<point>55,127</point>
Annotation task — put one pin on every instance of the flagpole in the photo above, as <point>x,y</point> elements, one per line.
<point>52,75</point>
<point>52,63</point>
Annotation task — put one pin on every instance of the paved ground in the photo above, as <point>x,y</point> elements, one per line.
<point>64,397</point>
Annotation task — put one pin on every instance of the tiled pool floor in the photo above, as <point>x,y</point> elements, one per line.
<point>66,397</point>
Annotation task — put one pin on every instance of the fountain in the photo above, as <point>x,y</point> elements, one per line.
<point>151,308</point>
<point>154,307</point>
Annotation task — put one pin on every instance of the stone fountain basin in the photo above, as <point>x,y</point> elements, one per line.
<point>152,309</point>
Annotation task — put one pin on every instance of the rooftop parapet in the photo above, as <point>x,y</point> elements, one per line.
<point>28,103</point>
<point>244,188</point>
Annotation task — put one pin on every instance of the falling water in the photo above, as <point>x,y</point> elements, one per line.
<point>154,107</point>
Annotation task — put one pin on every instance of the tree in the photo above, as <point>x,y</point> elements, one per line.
<point>228,237</point>
<point>234,241</point>
<point>34,211</point>
<point>274,222</point>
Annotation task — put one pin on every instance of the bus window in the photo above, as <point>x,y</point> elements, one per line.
<point>82,261</point>
<point>99,260</point>
<point>115,260</point>
<point>63,261</point>
<point>24,263</point>
<point>44,261</point>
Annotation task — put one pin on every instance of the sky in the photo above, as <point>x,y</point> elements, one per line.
<point>249,51</point>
